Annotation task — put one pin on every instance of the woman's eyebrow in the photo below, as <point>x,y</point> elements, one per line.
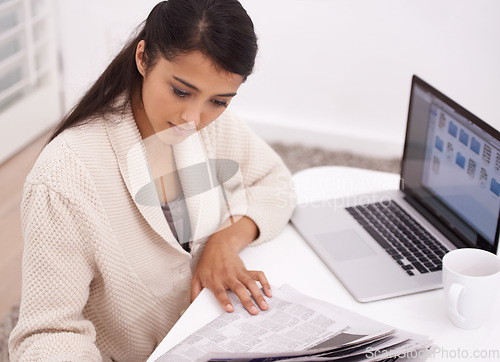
<point>226,95</point>
<point>189,85</point>
<point>186,83</point>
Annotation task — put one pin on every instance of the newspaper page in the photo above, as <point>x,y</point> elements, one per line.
<point>289,325</point>
<point>363,340</point>
<point>284,327</point>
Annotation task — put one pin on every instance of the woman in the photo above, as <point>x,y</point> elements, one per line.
<point>147,192</point>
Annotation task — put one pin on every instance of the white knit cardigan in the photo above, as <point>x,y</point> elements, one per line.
<point>103,276</point>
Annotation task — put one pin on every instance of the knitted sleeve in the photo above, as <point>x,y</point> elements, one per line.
<point>57,271</point>
<point>267,195</point>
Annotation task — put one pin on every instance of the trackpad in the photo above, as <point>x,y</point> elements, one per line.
<point>345,245</point>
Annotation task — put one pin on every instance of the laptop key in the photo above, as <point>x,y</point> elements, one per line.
<point>408,255</point>
<point>377,237</point>
<point>440,254</point>
<point>392,252</point>
<point>418,254</point>
<point>422,269</point>
<point>401,249</point>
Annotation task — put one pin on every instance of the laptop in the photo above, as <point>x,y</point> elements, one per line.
<point>387,244</point>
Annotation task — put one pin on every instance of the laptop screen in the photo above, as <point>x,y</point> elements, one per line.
<point>451,166</point>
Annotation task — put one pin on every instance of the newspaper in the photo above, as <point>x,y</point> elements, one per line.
<point>295,328</point>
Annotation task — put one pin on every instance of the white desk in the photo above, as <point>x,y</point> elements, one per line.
<point>288,259</point>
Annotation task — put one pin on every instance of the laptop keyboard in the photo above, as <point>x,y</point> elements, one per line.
<point>403,238</point>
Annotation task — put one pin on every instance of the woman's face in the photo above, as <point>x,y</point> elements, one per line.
<point>181,96</point>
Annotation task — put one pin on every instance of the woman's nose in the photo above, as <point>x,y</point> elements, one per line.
<point>192,115</point>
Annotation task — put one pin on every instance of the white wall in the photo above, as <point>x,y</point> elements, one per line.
<point>39,105</point>
<point>91,33</point>
<point>329,73</point>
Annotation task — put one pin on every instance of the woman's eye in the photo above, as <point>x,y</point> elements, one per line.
<point>218,103</point>
<point>179,93</point>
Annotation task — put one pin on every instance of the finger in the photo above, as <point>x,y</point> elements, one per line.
<point>223,298</point>
<point>196,288</point>
<point>259,276</point>
<point>256,293</point>
<point>241,292</point>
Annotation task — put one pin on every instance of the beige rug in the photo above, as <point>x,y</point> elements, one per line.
<point>297,158</point>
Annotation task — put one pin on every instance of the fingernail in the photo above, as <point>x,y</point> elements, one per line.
<point>229,308</point>
<point>269,293</point>
<point>263,305</point>
<point>254,310</point>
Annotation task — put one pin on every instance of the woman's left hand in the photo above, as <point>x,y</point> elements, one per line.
<point>220,268</point>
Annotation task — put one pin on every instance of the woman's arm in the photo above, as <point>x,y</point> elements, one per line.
<point>220,268</point>
<point>57,271</point>
<point>264,196</point>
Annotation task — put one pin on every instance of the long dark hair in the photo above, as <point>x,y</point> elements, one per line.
<point>220,29</point>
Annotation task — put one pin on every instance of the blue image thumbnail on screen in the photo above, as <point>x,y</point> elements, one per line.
<point>464,137</point>
<point>452,129</point>
<point>495,187</point>
<point>439,143</point>
<point>475,145</point>
<point>460,160</point>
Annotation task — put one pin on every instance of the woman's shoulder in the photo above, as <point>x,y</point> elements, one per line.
<point>228,116</point>
<point>228,124</point>
<point>61,159</point>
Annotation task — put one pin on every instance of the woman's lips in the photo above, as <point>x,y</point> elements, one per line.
<point>179,130</point>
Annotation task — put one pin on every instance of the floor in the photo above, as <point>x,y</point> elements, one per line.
<point>13,172</point>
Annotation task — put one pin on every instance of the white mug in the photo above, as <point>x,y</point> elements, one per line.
<point>471,280</point>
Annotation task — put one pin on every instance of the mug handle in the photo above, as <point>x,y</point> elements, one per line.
<point>454,294</point>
